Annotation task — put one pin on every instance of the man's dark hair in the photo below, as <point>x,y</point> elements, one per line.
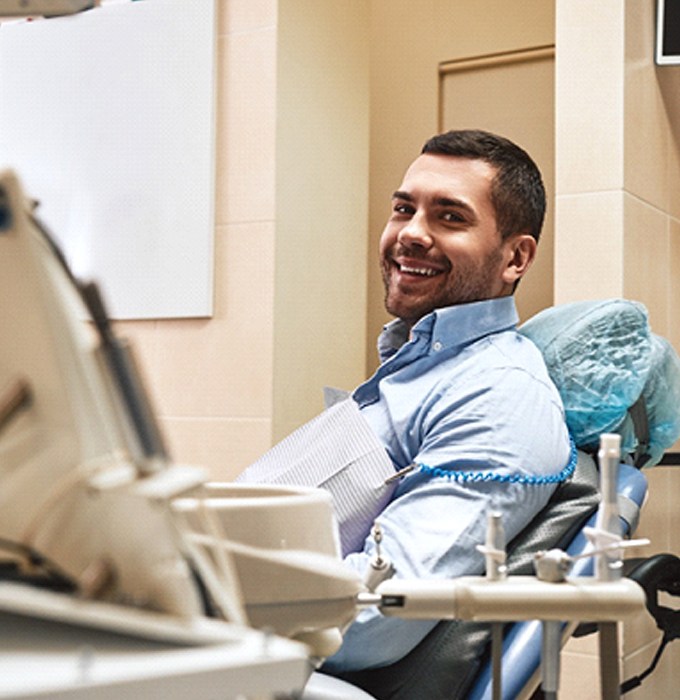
<point>517,191</point>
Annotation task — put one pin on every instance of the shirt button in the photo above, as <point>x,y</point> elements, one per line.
<point>437,346</point>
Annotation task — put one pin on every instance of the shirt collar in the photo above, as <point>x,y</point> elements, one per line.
<point>452,326</point>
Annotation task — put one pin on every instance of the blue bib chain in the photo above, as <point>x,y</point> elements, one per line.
<point>486,475</point>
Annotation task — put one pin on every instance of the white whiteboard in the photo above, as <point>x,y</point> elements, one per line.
<point>108,118</point>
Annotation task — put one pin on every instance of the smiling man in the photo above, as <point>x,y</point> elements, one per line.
<point>442,245</point>
<point>460,396</point>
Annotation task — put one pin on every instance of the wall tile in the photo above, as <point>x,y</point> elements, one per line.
<point>674,284</point>
<point>583,646</point>
<point>213,368</point>
<point>646,138</point>
<point>589,247</point>
<point>638,632</point>
<point>223,446</point>
<point>646,157</point>
<point>247,16</point>
<point>244,267</point>
<point>646,259</point>
<point>673,526</point>
<point>589,96</point>
<point>666,78</point>
<point>579,676</point>
<point>246,127</point>
<point>221,366</point>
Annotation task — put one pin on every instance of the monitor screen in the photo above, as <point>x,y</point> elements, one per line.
<point>668,32</point>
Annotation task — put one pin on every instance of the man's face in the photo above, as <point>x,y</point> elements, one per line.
<point>441,245</point>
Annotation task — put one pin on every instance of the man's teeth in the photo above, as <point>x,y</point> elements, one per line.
<point>426,271</point>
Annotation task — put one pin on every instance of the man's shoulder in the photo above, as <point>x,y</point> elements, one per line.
<point>496,362</point>
<point>513,351</point>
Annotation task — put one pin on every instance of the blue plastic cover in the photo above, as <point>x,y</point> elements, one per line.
<point>602,357</point>
<point>661,394</point>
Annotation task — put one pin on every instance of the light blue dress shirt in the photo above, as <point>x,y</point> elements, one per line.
<point>464,393</point>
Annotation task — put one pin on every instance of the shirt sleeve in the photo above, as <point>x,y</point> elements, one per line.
<point>432,526</point>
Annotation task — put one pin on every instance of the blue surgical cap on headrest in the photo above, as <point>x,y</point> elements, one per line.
<point>602,357</point>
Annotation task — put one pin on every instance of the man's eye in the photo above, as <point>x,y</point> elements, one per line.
<point>403,209</point>
<point>453,217</point>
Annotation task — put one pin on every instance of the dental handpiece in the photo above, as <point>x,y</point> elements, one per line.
<point>380,567</point>
<point>608,563</point>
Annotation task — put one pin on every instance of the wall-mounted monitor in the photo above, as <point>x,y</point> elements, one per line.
<point>668,32</point>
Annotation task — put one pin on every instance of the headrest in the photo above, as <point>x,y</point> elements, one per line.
<point>603,358</point>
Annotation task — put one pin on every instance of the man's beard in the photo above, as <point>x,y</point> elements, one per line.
<point>460,284</point>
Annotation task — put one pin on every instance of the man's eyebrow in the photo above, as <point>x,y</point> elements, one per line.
<point>451,202</point>
<point>399,194</point>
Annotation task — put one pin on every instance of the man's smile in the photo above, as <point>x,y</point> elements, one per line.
<point>417,267</point>
<point>425,271</point>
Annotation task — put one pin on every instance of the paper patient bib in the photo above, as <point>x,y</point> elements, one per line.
<point>339,452</point>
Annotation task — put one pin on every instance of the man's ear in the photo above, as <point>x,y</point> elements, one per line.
<point>521,251</point>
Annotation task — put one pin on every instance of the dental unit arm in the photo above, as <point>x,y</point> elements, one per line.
<point>91,503</point>
<point>70,480</point>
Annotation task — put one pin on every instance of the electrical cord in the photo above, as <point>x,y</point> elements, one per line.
<point>658,573</point>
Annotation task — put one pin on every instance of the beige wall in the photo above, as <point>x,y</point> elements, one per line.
<point>290,236</point>
<point>618,234</point>
<point>321,204</point>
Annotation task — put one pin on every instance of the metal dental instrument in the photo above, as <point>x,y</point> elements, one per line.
<point>554,565</point>
<point>609,564</point>
<point>608,527</point>
<point>496,570</point>
<point>380,567</point>
<point>494,547</point>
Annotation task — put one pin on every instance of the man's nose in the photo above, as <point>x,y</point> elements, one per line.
<point>416,233</point>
